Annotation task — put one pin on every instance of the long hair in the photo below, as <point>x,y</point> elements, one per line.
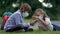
<point>41,10</point>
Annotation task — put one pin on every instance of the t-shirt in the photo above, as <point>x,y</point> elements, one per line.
<point>48,27</point>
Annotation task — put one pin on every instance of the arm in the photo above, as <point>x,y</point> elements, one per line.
<point>42,21</point>
<point>32,21</point>
<point>46,22</point>
<point>18,19</point>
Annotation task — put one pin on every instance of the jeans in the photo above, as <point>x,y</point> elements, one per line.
<point>56,27</point>
<point>16,28</point>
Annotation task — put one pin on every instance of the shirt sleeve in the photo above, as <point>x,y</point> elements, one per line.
<point>18,19</point>
<point>50,26</point>
<point>47,20</point>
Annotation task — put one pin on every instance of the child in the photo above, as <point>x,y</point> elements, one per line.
<point>15,21</point>
<point>44,23</point>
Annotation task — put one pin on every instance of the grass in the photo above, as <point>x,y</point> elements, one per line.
<point>1,20</point>
<point>34,32</point>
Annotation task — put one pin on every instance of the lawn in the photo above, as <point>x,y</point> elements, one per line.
<point>0,20</point>
<point>34,32</point>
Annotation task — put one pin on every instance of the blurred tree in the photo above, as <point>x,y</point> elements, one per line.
<point>52,12</point>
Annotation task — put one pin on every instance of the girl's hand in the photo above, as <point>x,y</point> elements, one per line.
<point>41,17</point>
<point>35,17</point>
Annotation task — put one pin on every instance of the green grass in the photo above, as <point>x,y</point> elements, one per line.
<point>1,20</point>
<point>26,20</point>
<point>34,32</point>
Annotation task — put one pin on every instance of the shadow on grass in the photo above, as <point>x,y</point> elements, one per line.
<point>34,32</point>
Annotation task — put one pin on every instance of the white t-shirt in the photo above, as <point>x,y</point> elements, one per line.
<point>48,27</point>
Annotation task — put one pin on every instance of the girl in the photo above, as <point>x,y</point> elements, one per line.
<point>44,23</point>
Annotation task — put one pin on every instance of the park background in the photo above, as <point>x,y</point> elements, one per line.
<point>53,13</point>
<point>13,5</point>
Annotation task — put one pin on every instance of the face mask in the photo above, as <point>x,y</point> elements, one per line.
<point>25,14</point>
<point>40,17</point>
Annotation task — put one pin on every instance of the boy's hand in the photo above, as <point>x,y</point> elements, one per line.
<point>31,23</point>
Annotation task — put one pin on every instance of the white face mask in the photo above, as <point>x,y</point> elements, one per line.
<point>41,17</point>
<point>25,14</point>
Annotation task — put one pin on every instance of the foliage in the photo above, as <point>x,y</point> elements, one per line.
<point>52,12</point>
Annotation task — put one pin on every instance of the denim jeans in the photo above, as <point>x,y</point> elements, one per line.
<point>56,27</point>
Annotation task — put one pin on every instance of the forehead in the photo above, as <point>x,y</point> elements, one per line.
<point>38,12</point>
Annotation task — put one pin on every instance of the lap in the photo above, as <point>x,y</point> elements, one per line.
<point>16,28</point>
